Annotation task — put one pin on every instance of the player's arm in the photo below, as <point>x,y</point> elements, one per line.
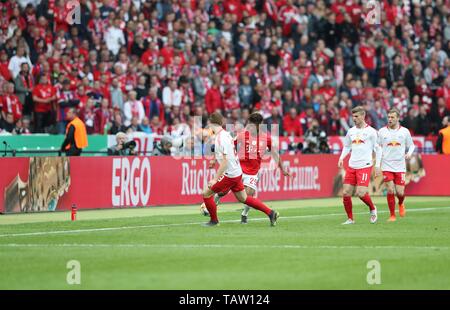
<point>212,163</point>
<point>378,154</point>
<point>40,100</point>
<point>380,142</point>
<point>410,145</point>
<point>222,167</point>
<point>276,156</point>
<point>223,162</point>
<point>345,150</point>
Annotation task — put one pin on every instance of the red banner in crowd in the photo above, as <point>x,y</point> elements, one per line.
<point>55,183</point>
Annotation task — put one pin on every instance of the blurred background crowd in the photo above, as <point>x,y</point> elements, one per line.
<point>150,66</point>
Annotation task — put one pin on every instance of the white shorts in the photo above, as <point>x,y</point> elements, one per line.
<point>250,181</point>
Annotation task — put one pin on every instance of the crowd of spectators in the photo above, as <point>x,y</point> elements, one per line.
<point>149,65</point>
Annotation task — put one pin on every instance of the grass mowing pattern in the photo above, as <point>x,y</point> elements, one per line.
<point>167,248</point>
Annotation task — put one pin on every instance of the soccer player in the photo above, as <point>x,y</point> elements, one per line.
<point>361,140</point>
<point>394,139</point>
<point>229,175</point>
<point>251,145</point>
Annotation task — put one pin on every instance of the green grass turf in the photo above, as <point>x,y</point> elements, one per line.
<point>167,248</point>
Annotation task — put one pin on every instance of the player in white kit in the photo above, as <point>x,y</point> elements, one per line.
<point>229,175</point>
<point>395,139</point>
<point>361,140</point>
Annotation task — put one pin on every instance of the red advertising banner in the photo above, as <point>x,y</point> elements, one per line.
<point>429,176</point>
<point>55,183</point>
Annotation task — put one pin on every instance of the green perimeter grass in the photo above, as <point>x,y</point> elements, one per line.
<point>167,248</point>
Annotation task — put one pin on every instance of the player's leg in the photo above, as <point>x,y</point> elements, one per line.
<point>256,204</point>
<point>249,182</point>
<point>390,195</point>
<point>400,189</point>
<point>208,199</point>
<point>347,201</point>
<point>222,185</point>
<point>250,192</point>
<point>348,189</point>
<point>217,197</point>
<point>363,193</point>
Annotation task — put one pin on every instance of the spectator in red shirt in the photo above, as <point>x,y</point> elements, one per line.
<point>11,103</point>
<point>4,71</point>
<point>156,125</point>
<point>367,58</point>
<point>327,91</point>
<point>291,123</point>
<point>81,96</point>
<point>167,52</point>
<point>65,100</point>
<point>103,117</point>
<point>87,115</point>
<point>44,96</point>
<point>150,56</point>
<point>213,98</point>
<point>444,92</point>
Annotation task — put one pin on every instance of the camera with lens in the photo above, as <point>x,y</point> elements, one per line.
<point>129,145</point>
<point>322,137</point>
<point>317,141</point>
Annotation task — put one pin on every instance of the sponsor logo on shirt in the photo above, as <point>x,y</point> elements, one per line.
<point>357,140</point>
<point>394,143</point>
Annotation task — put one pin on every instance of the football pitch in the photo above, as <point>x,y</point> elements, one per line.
<point>168,248</point>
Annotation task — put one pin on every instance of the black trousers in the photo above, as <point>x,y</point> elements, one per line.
<point>28,106</point>
<point>73,151</point>
<point>42,120</point>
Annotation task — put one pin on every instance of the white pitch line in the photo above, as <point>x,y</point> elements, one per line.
<point>218,246</point>
<point>74,231</point>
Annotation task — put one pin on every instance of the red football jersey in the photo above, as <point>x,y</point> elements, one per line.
<point>251,149</point>
<point>11,104</point>
<point>43,92</point>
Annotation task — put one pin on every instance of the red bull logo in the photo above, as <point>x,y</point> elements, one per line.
<point>357,141</point>
<point>394,143</point>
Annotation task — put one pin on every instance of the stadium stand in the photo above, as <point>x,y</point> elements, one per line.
<point>147,65</point>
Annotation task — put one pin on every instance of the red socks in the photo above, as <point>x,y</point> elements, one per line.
<point>400,199</point>
<point>212,208</point>
<point>258,205</point>
<point>366,199</point>
<point>391,203</point>
<point>250,201</point>
<point>348,206</point>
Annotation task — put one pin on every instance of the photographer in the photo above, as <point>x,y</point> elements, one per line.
<point>316,139</point>
<point>163,147</point>
<point>122,146</point>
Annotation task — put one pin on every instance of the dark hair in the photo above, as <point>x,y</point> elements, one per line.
<point>255,118</point>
